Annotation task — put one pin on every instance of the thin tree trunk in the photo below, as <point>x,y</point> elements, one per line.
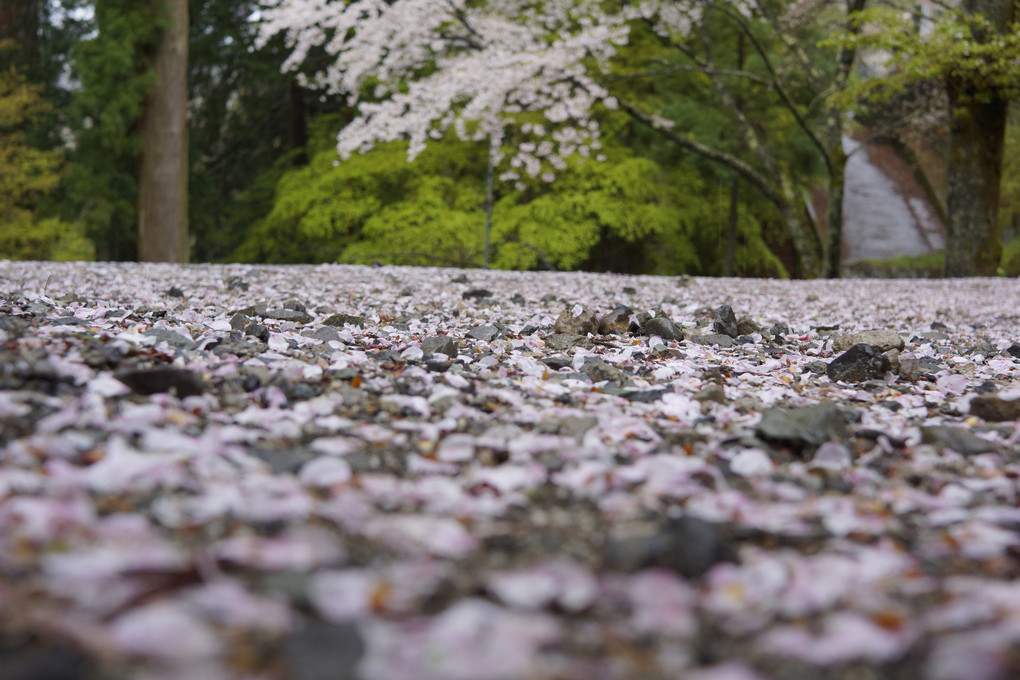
<point>163,166</point>
<point>731,227</point>
<point>832,254</point>
<point>489,197</point>
<point>977,132</point>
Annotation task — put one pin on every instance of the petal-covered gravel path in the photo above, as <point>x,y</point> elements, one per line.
<point>316,473</point>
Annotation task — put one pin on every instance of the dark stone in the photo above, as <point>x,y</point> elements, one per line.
<point>637,396</point>
<point>1013,350</point>
<point>557,362</point>
<point>616,321</point>
<point>295,315</point>
<point>804,427</point>
<point>517,299</point>
<point>476,293</point>
<point>238,321</point>
<point>487,333</point>
<point>725,321</point>
<point>663,327</point>
<point>779,328</point>
<point>237,283</point>
<point>341,320</point>
<point>179,381</point>
<point>688,545</point>
<point>68,321</point>
<point>29,658</point>
<point>530,329</point>
<point>628,290</point>
<point>993,408</point>
<point>581,324</point>
<point>599,370</point>
<point>439,344</point>
<point>717,339</point>
<point>747,326</point>
<point>859,363</point>
<point>175,292</point>
<point>713,392</point>
<point>324,333</point>
<point>460,278</point>
<point>962,441</point>
<point>318,650</point>
<point>561,341</point>
<point>257,330</point>
<point>170,337</point>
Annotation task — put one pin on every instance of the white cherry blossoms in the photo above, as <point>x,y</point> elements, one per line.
<point>417,68</point>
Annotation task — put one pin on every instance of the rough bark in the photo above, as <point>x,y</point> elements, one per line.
<point>832,253</point>
<point>977,132</point>
<point>163,165</point>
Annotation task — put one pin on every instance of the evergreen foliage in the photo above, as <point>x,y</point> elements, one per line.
<point>26,174</point>
<point>112,66</point>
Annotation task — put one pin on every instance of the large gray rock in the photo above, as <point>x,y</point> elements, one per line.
<point>663,327</point>
<point>439,344</point>
<point>993,408</point>
<point>958,439</point>
<point>885,340</point>
<point>859,363</point>
<point>582,323</point>
<point>725,321</point>
<point>689,546</point>
<point>807,426</point>
<point>616,321</point>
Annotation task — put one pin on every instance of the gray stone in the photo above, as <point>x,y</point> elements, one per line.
<point>476,294</point>
<point>582,324</point>
<point>1013,350</point>
<point>170,337</point>
<point>616,321</point>
<point>994,408</point>
<point>780,328</point>
<point>725,321</point>
<point>439,344</point>
<point>712,392</point>
<point>561,341</point>
<point>958,439</point>
<point>487,333</point>
<point>716,339</point>
<point>885,340</point>
<point>804,427</point>
<point>599,370</point>
<point>238,321</point>
<point>663,327</point>
<point>324,333</point>
<point>859,363</point>
<point>179,381</point>
<point>747,326</point>
<point>295,315</point>
<point>689,546</point>
<point>340,320</point>
<point>319,650</point>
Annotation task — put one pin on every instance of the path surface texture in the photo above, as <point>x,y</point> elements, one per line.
<point>326,472</point>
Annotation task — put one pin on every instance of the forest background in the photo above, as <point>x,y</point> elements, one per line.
<point>702,164</point>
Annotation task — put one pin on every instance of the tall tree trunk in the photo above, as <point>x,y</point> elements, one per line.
<point>832,253</point>
<point>977,133</point>
<point>163,167</point>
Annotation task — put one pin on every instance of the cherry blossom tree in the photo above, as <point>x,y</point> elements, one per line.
<point>416,69</point>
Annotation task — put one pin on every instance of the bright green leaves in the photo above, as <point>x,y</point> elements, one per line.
<point>26,174</point>
<point>953,46</point>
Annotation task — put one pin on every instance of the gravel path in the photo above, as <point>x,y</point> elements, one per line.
<point>326,472</point>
